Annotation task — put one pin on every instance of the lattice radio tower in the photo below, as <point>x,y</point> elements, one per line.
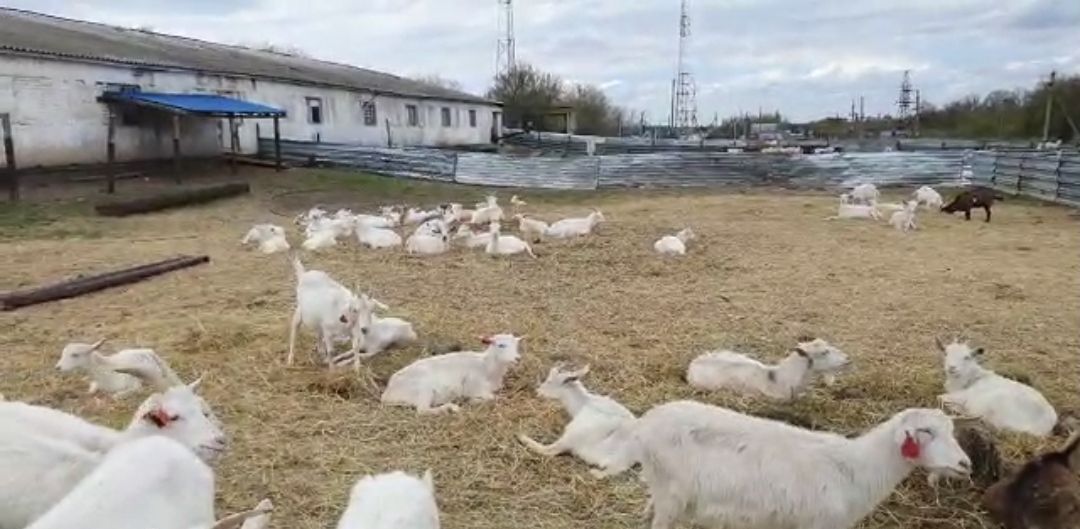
<point>905,103</point>
<point>504,52</point>
<point>684,92</point>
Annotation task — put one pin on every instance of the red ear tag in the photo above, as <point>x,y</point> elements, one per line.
<point>486,340</point>
<point>158,417</point>
<point>910,448</point>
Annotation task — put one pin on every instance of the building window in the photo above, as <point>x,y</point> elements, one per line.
<point>445,116</point>
<point>472,118</point>
<point>370,118</point>
<point>412,114</point>
<point>314,110</point>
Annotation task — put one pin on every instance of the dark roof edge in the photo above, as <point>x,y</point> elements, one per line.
<point>26,52</point>
<point>465,97</point>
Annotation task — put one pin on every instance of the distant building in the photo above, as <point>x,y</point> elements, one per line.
<point>59,78</point>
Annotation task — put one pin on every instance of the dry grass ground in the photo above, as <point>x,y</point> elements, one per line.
<point>766,269</point>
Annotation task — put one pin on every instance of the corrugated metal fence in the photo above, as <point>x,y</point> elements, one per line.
<point>1047,175</point>
<point>665,169</point>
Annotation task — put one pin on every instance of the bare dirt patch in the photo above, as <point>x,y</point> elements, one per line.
<point>766,269</point>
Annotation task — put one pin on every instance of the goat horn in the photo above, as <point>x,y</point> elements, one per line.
<point>94,346</point>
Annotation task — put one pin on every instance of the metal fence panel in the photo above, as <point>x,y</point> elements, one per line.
<point>538,172</point>
<point>430,164</point>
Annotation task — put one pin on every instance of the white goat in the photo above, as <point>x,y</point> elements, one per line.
<point>929,197</point>
<point>856,211</point>
<point>306,218</point>
<point>329,308</point>
<point>865,194</point>
<point>45,453</point>
<point>489,213</point>
<point>392,501</point>
<point>269,238</point>
<point>517,202</point>
<point>418,216</point>
<point>845,198</point>
<point>532,229</point>
<point>904,220</point>
<point>1003,403</point>
<point>104,371</point>
<point>783,381</point>
<point>718,468</point>
<point>598,425</point>
<point>461,215</point>
<point>372,237</point>
<point>674,244</point>
<point>431,384</point>
<point>471,238</point>
<point>149,482</point>
<point>575,227</point>
<point>320,239</point>
<point>377,335</point>
<point>427,244</point>
<point>506,244</point>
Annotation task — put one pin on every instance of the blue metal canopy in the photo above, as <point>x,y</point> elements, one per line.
<point>195,104</point>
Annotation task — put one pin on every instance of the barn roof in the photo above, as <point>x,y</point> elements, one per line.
<point>29,33</point>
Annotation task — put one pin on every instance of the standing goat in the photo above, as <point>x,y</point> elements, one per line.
<point>598,425</point>
<point>784,381</point>
<point>332,310</point>
<point>719,468</point>
<point>904,220</point>
<point>674,244</point>
<point>392,501</point>
<point>431,384</point>
<point>1000,402</point>
<point>865,194</point>
<point>926,195</point>
<point>976,197</point>
<point>106,371</point>
<point>533,230</point>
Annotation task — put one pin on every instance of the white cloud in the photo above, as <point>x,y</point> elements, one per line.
<point>808,61</point>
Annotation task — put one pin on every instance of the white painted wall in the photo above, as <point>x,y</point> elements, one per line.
<point>57,120</point>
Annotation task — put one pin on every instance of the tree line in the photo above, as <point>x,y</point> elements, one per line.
<point>530,96</point>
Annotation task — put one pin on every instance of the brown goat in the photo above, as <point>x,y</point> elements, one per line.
<point>1044,494</point>
<point>976,197</point>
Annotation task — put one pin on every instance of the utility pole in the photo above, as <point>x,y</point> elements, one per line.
<point>918,110</point>
<point>1049,102</point>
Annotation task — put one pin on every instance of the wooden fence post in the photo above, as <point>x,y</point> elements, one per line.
<point>110,154</point>
<point>9,155</point>
<point>1057,177</point>
<point>1020,173</point>
<point>277,144</point>
<point>176,146</point>
<point>994,171</point>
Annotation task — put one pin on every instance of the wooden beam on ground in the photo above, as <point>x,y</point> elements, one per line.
<point>84,285</point>
<point>171,199</point>
<point>248,160</point>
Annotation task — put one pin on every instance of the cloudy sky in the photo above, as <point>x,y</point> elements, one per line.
<point>807,59</point>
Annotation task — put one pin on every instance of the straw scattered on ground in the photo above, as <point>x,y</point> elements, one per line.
<point>766,269</point>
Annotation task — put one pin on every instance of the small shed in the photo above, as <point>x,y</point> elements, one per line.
<point>210,106</point>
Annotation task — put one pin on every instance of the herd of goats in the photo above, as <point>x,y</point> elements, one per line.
<point>701,464</point>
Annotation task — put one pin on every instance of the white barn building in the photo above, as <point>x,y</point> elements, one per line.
<point>55,74</point>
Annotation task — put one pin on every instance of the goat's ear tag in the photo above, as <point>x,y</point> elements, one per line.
<point>486,340</point>
<point>158,417</point>
<point>910,448</point>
